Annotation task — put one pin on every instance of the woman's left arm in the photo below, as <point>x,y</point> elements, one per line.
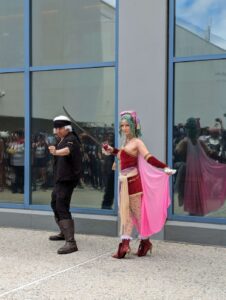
<point>142,149</point>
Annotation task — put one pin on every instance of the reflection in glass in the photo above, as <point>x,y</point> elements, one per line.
<point>108,172</point>
<point>11,33</point>
<point>201,182</point>
<point>11,138</point>
<point>88,96</point>
<point>72,31</point>
<point>200,27</point>
<point>199,139</point>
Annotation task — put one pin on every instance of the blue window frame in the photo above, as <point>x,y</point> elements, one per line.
<point>172,61</point>
<point>27,70</point>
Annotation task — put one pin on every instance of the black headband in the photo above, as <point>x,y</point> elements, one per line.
<point>61,123</point>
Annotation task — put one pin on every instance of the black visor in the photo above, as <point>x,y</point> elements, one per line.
<point>61,123</point>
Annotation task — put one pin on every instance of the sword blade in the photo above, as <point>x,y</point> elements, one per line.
<point>82,129</point>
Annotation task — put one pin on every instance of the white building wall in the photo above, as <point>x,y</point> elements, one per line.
<point>143,67</point>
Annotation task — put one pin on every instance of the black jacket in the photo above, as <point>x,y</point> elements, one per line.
<point>69,167</point>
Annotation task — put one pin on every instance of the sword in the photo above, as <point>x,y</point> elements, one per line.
<point>82,129</point>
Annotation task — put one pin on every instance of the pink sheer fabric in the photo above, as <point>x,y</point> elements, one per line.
<point>155,198</point>
<point>205,182</point>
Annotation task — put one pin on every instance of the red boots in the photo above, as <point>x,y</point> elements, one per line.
<point>144,247</point>
<point>123,249</point>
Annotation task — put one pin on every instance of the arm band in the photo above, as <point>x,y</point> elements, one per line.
<point>115,151</point>
<point>155,162</point>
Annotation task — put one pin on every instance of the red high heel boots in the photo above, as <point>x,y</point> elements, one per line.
<point>144,247</point>
<point>123,249</point>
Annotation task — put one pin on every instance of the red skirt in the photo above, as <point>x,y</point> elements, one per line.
<point>134,185</point>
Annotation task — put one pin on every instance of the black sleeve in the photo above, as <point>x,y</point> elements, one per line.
<point>72,144</point>
<point>77,159</point>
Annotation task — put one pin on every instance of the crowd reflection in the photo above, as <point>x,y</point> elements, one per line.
<point>41,162</point>
<point>12,161</point>
<point>97,168</point>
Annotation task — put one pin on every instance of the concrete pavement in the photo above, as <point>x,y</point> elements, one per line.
<point>31,269</point>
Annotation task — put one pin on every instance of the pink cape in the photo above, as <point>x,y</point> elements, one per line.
<point>205,182</point>
<point>155,198</point>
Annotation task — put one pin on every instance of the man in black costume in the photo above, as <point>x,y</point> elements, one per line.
<point>67,172</point>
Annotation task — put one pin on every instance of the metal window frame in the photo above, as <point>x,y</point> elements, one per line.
<point>27,69</point>
<point>172,60</point>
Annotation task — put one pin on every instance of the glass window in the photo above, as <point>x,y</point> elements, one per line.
<point>88,95</point>
<point>11,138</point>
<point>72,31</point>
<point>199,138</point>
<point>11,34</point>
<point>200,27</point>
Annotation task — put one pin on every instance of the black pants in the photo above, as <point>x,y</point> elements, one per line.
<point>109,191</point>
<point>18,185</point>
<point>61,199</point>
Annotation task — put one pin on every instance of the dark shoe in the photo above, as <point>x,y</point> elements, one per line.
<point>144,247</point>
<point>123,249</point>
<point>67,227</point>
<point>59,236</point>
<point>69,247</point>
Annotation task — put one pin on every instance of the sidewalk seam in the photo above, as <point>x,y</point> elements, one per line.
<point>51,275</point>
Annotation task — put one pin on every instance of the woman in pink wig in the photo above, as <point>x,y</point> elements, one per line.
<point>144,189</point>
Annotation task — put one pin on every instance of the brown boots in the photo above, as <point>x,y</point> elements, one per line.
<point>67,234</point>
<point>59,236</point>
<point>144,247</point>
<point>123,249</point>
<point>67,228</point>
